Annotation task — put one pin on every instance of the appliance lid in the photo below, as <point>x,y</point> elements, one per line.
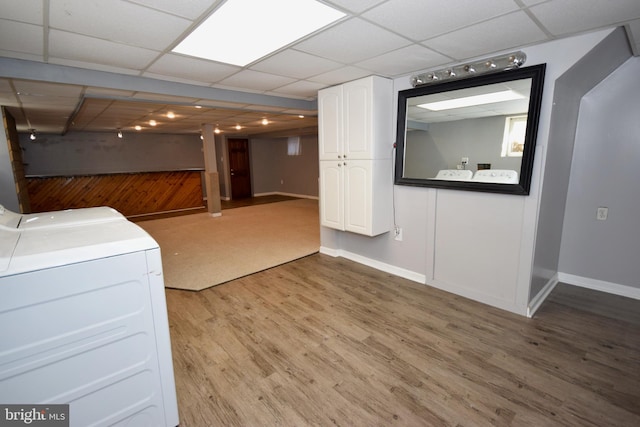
<point>69,217</point>
<point>41,248</point>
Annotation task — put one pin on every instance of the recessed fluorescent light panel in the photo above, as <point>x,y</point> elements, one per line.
<point>242,31</point>
<point>470,101</point>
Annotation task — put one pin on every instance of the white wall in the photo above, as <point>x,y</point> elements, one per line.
<point>478,245</point>
<point>606,172</point>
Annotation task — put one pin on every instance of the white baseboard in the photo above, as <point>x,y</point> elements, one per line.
<point>387,268</point>
<point>537,301</point>
<point>600,285</point>
<point>279,193</point>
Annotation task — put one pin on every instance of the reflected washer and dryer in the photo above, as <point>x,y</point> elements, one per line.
<point>83,321</point>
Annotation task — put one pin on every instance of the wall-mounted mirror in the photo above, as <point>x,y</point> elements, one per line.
<point>477,133</point>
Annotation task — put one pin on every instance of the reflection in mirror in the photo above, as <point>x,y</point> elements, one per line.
<point>473,134</point>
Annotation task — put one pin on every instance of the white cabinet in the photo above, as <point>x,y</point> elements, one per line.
<point>355,150</point>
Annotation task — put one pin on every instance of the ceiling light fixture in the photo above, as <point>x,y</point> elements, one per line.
<point>499,63</point>
<point>272,20</point>
<point>265,122</point>
<point>119,134</point>
<point>32,136</point>
<point>138,127</point>
<point>171,115</point>
<point>217,130</point>
<point>238,127</point>
<point>152,123</point>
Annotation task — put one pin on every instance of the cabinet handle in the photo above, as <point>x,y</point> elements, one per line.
<point>345,156</point>
<point>345,163</point>
<point>339,156</point>
<point>339,164</point>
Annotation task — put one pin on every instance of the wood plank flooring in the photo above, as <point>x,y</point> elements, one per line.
<point>325,341</point>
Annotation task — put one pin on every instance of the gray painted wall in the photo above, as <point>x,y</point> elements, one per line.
<point>569,90</point>
<point>606,172</point>
<point>92,153</point>
<point>275,171</point>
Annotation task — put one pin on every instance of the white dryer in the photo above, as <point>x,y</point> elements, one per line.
<point>83,321</point>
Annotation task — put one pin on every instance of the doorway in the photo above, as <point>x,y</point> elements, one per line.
<point>239,168</point>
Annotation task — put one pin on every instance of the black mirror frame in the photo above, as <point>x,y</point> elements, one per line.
<point>535,72</point>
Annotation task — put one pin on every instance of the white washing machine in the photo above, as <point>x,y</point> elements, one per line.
<point>83,321</point>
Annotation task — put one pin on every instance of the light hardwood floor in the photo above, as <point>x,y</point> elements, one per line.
<point>325,341</point>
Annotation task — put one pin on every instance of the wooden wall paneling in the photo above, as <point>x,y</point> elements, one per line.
<point>130,194</point>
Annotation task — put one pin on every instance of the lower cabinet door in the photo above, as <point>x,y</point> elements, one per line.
<point>357,200</point>
<point>332,194</point>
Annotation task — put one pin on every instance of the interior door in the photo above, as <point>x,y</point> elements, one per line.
<point>239,168</point>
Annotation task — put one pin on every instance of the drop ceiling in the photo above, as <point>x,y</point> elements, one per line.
<point>89,65</point>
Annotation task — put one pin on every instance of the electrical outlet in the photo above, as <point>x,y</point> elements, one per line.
<point>465,161</point>
<point>602,213</point>
<point>398,232</point>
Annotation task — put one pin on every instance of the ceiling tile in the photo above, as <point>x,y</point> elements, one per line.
<point>567,16</point>
<point>532,2</point>
<point>405,61</point>
<point>293,63</point>
<point>120,21</point>
<point>29,11</point>
<point>340,75</point>
<point>89,49</point>
<point>423,19</point>
<point>191,9</point>
<point>19,37</point>
<point>301,88</point>
<point>489,37</point>
<point>192,68</point>
<point>352,41</point>
<point>255,80</point>
<point>355,6</point>
<point>5,86</point>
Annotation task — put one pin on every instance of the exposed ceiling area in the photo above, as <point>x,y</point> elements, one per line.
<point>89,65</point>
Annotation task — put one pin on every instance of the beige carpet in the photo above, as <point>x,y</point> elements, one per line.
<point>200,251</point>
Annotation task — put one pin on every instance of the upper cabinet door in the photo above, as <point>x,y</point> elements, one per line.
<point>330,123</point>
<point>357,104</point>
<point>355,120</point>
